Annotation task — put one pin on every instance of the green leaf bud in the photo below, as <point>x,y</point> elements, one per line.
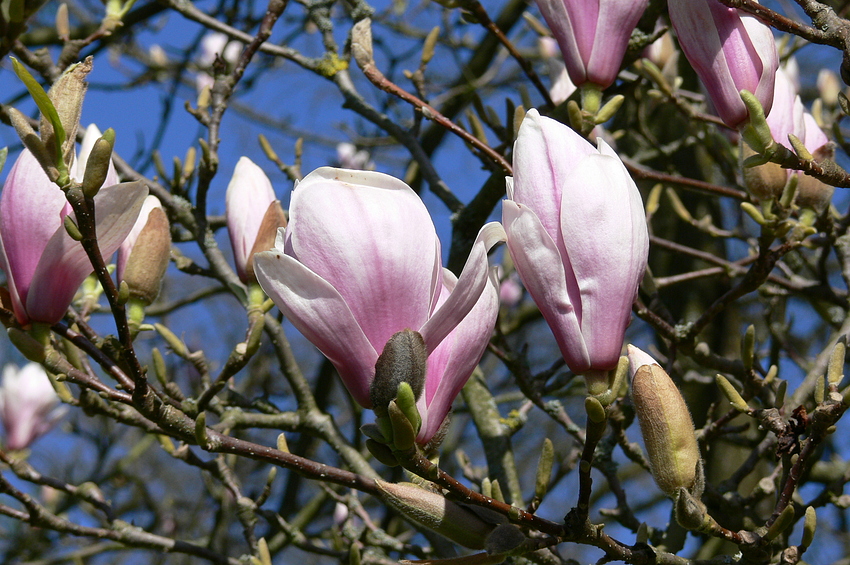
<point>835,373</point>
<point>809,526</point>
<point>731,394</point>
<point>97,165</point>
<point>544,468</point>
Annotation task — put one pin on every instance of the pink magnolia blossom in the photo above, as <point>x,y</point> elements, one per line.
<point>593,35</point>
<point>253,215</point>
<point>359,262</point>
<point>730,50</point>
<point>43,265</point>
<point>29,406</point>
<point>577,235</point>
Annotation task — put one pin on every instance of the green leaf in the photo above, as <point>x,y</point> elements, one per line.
<point>45,105</point>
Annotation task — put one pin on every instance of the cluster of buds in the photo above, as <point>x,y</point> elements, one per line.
<point>791,124</point>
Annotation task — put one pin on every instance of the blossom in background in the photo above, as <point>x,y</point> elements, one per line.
<point>349,157</point>
<point>143,256</point>
<point>43,265</point>
<point>29,407</point>
<point>593,35</point>
<point>560,85</point>
<point>730,51</point>
<point>360,262</point>
<point>577,235</point>
<point>213,44</point>
<point>253,215</point>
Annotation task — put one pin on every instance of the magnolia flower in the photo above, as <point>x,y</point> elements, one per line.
<point>29,406</point>
<point>143,256</point>
<point>359,262</point>
<point>730,50</point>
<point>593,35</point>
<point>253,215</point>
<point>577,235</point>
<point>43,265</point>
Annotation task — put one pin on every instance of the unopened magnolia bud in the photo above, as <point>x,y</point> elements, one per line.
<point>690,512</point>
<point>361,43</point>
<point>97,165</point>
<point>433,511</point>
<point>403,360</point>
<point>503,539</point>
<point>828,87</point>
<point>766,181</point>
<point>666,425</point>
<point>149,258</point>
<point>282,445</point>
<point>748,347</point>
<point>72,228</point>
<point>811,192</point>
<point>273,219</point>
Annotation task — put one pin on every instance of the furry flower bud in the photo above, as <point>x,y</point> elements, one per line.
<point>435,512</point>
<point>666,426</point>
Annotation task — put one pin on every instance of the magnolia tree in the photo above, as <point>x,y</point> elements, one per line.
<point>579,267</point>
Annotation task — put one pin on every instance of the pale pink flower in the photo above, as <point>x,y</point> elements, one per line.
<point>577,235</point>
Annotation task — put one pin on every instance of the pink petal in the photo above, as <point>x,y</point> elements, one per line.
<point>616,21</point>
<point>545,153</point>
<point>30,213</point>
<point>319,312</point>
<point>539,265</point>
<point>468,290</point>
<point>64,264</point>
<point>371,238</point>
<point>452,362</point>
<point>605,235</point>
